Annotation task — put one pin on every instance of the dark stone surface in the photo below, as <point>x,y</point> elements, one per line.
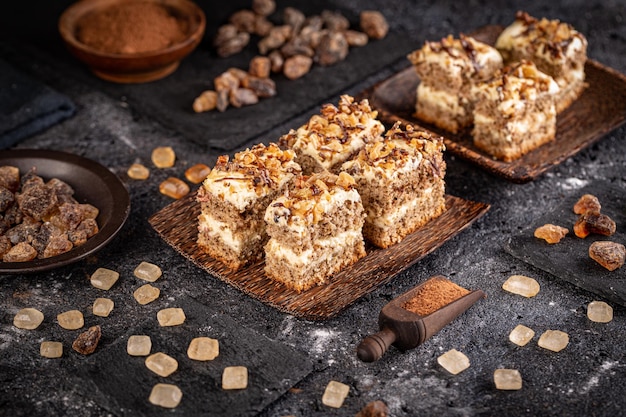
<point>587,378</point>
<point>569,260</point>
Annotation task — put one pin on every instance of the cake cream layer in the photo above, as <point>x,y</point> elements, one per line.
<point>443,101</point>
<point>390,218</point>
<point>323,250</point>
<point>315,230</point>
<point>515,112</point>
<point>401,183</point>
<point>331,153</point>
<point>235,240</point>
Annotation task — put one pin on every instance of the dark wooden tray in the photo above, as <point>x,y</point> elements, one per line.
<point>177,225</point>
<point>600,109</point>
<point>569,259</point>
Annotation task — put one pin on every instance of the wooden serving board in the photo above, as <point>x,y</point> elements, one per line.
<point>177,225</point>
<point>600,109</point>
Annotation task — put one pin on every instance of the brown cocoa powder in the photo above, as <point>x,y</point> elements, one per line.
<point>131,28</point>
<point>433,295</point>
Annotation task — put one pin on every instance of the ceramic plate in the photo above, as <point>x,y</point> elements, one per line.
<point>92,183</point>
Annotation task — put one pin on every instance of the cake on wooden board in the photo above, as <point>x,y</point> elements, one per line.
<point>233,199</point>
<point>335,134</point>
<point>401,183</point>
<point>555,47</point>
<point>447,70</point>
<point>515,111</point>
<point>315,230</point>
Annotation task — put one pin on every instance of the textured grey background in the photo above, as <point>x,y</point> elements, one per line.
<point>587,378</point>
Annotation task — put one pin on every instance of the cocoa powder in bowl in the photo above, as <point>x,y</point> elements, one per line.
<point>131,28</point>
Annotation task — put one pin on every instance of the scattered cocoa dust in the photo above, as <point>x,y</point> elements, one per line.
<point>130,28</point>
<point>433,295</point>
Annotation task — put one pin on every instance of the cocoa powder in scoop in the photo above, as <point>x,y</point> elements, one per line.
<point>434,295</point>
<point>131,28</point>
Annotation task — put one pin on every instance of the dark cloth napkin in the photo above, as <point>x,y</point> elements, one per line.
<point>27,106</point>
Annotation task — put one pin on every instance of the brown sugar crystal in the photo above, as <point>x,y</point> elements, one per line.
<point>551,233</point>
<point>87,342</point>
<point>131,28</point>
<point>588,203</point>
<point>433,295</point>
<point>592,222</point>
<point>610,255</point>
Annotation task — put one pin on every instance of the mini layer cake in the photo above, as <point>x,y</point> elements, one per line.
<point>447,72</point>
<point>233,200</point>
<point>556,48</point>
<point>515,111</point>
<point>315,230</point>
<point>333,136</point>
<point>401,182</point>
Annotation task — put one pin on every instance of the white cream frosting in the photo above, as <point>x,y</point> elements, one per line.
<point>448,103</point>
<point>329,247</point>
<point>214,228</point>
<point>388,220</point>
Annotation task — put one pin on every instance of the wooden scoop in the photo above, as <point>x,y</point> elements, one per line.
<point>407,330</point>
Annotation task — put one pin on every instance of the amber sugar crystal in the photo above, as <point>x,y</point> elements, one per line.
<point>147,271</point>
<point>197,173</point>
<point>203,349</point>
<point>161,364</point>
<point>165,395</point>
<point>551,233</point>
<point>104,278</point>
<point>174,187</point>
<point>138,172</point>
<point>87,342</point>
<point>139,345</point>
<point>171,316</point>
<point>433,295</point>
<point>102,307</point>
<point>71,320</point>
<point>28,318</point>
<point>335,394</point>
<point>51,350</point>
<point>163,157</point>
<point>146,294</point>
<point>235,377</point>
<point>588,203</point>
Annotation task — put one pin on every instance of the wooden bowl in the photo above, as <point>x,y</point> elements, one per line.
<point>133,67</point>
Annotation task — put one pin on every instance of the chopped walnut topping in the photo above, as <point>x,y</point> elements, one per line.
<point>397,149</point>
<point>464,48</point>
<point>260,168</point>
<point>309,198</point>
<point>332,131</point>
<point>521,81</point>
<point>551,36</point>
